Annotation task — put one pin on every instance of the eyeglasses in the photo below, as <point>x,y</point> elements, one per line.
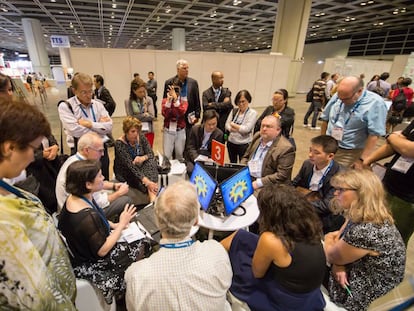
<point>342,190</point>
<point>86,92</point>
<point>98,150</point>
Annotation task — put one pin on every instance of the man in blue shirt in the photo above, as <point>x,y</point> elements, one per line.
<point>355,118</point>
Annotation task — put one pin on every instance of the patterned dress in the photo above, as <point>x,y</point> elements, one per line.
<point>35,271</point>
<point>85,233</point>
<point>133,174</point>
<point>371,276</point>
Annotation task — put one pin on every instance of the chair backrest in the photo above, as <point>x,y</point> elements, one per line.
<point>89,298</point>
<point>128,108</point>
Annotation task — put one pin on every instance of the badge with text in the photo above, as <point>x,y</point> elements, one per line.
<point>217,151</point>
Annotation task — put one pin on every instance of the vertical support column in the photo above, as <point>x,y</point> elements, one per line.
<point>290,34</point>
<point>178,39</point>
<point>37,51</point>
<point>66,61</point>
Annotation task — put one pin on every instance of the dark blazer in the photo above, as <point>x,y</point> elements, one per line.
<point>287,119</point>
<point>192,150</point>
<point>278,162</point>
<point>193,97</point>
<point>223,109</point>
<point>326,192</point>
<point>106,97</point>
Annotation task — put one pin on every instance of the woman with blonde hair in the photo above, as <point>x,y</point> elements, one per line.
<point>134,159</point>
<point>367,254</point>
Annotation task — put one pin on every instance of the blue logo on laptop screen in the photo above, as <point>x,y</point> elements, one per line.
<point>236,190</point>
<point>205,185</point>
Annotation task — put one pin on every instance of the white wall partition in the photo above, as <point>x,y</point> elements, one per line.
<point>260,74</point>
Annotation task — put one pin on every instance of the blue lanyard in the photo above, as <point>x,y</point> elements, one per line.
<point>178,245</point>
<point>237,115</point>
<point>264,149</point>
<point>134,152</point>
<point>357,104</point>
<point>17,192</point>
<point>323,176</point>
<point>100,212</point>
<point>86,115</point>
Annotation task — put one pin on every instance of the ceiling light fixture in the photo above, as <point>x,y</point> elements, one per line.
<point>213,14</point>
<point>236,2</point>
<point>167,9</point>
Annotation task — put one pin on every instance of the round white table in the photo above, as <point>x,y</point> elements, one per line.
<point>231,222</point>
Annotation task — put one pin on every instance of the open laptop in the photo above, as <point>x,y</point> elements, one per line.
<point>236,189</point>
<point>146,216</point>
<point>205,184</point>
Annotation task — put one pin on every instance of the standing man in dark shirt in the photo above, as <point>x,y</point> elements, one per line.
<point>152,91</point>
<point>399,177</point>
<point>189,91</point>
<point>103,94</point>
<point>218,98</point>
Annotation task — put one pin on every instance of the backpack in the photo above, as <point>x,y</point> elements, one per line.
<point>309,96</point>
<point>399,103</point>
<point>379,90</point>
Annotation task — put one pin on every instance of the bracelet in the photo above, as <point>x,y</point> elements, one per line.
<point>113,187</point>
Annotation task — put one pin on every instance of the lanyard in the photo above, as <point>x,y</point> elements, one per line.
<point>346,229</point>
<point>183,92</point>
<point>86,115</point>
<point>99,210</point>
<point>357,104</point>
<point>134,152</point>
<point>323,176</point>
<point>178,245</point>
<point>237,115</point>
<point>17,192</point>
<point>217,93</point>
<point>264,149</point>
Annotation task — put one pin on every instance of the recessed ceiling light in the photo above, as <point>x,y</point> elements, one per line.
<point>114,5</point>
<point>167,9</point>
<point>52,0</point>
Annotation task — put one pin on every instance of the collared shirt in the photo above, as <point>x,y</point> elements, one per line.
<point>357,124</point>
<point>204,144</point>
<point>315,182</point>
<point>196,277</point>
<point>93,113</point>
<point>217,93</point>
<point>259,156</point>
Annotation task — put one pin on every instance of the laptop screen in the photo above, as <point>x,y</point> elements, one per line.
<point>205,184</point>
<point>221,173</point>
<point>236,189</point>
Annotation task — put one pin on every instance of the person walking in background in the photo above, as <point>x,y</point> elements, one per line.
<point>318,101</point>
<point>152,92</point>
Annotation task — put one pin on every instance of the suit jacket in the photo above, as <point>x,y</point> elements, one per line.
<point>278,162</point>
<point>223,109</point>
<point>106,97</point>
<point>193,97</point>
<point>326,192</point>
<point>196,139</point>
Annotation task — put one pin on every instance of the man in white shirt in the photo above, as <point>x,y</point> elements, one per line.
<point>81,114</point>
<point>91,147</point>
<point>184,274</point>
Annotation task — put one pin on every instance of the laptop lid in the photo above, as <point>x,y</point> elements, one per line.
<point>236,189</point>
<point>205,184</point>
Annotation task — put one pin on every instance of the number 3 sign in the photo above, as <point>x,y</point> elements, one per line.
<point>217,152</point>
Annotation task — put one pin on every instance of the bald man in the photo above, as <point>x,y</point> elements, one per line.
<point>218,98</point>
<point>270,155</point>
<point>355,118</point>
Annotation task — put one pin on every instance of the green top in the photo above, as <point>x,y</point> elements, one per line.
<point>35,271</point>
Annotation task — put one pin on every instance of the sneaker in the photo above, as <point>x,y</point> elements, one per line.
<point>316,128</point>
<point>305,125</point>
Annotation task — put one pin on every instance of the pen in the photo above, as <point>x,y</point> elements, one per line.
<point>348,291</point>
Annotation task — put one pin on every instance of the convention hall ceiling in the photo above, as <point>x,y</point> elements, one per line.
<point>210,25</point>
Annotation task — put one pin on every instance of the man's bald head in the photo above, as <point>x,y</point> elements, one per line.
<point>217,78</point>
<point>350,89</point>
